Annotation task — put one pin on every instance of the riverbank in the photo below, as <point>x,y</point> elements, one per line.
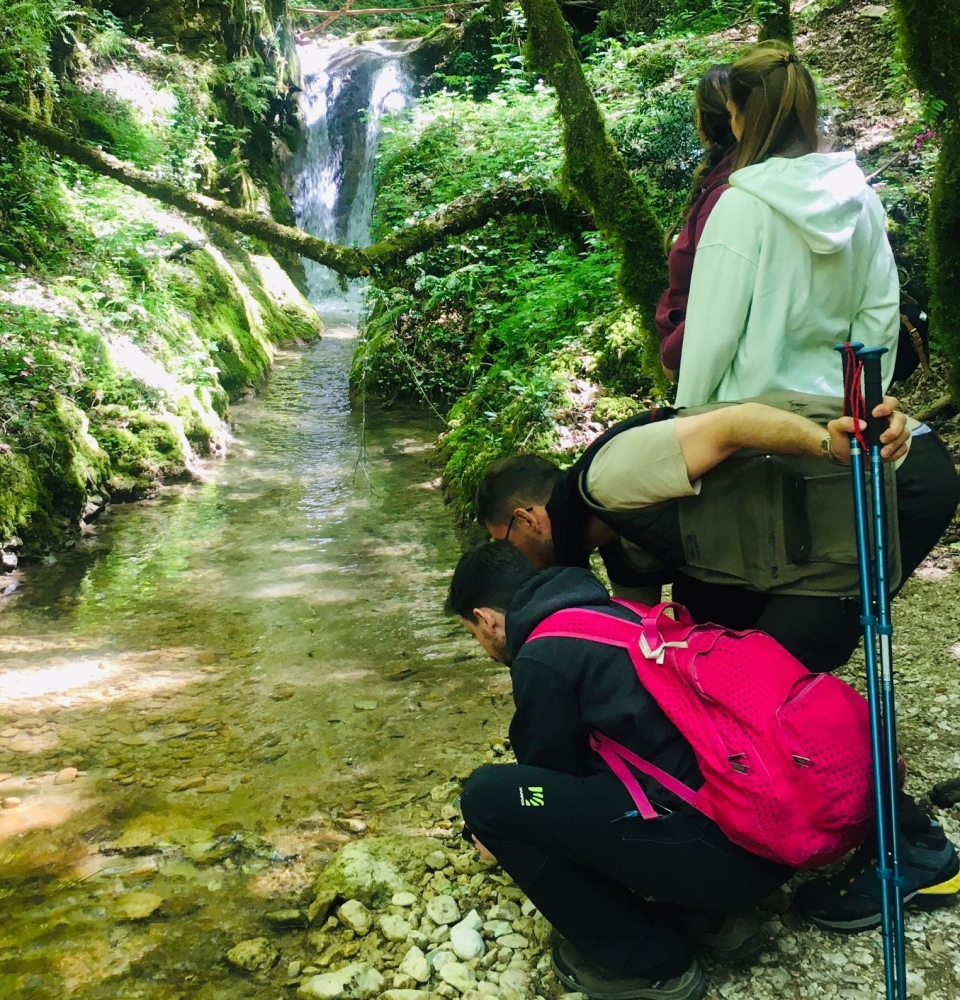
<point>125,328</point>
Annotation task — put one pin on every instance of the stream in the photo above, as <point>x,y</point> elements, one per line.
<point>220,685</point>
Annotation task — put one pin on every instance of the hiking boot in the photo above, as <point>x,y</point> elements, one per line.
<point>730,937</point>
<point>581,976</point>
<point>849,900</point>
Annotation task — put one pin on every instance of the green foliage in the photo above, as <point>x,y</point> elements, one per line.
<point>246,85</point>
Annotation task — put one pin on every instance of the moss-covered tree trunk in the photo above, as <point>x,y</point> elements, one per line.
<point>594,171</point>
<point>930,35</point>
<point>773,20</point>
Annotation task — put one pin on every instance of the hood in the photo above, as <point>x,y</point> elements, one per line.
<point>821,193</point>
<point>552,590</point>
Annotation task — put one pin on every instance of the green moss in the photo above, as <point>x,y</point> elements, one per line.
<point>143,447</point>
<point>945,250</point>
<point>20,493</point>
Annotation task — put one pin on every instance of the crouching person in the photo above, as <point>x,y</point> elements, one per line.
<point>631,897</point>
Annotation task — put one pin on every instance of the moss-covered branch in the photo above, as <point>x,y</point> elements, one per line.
<point>594,170</point>
<point>460,216</point>
<point>930,38</point>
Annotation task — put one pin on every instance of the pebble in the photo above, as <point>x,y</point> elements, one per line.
<point>404,899</point>
<point>507,910</point>
<point>460,977</point>
<point>358,981</point>
<point>443,910</point>
<point>435,860</point>
<point>10,802</point>
<point>139,905</point>
<point>439,957</point>
<point>66,776</point>
<point>285,918</point>
<point>466,942</point>
<point>415,964</point>
<point>253,955</point>
<point>356,916</point>
<point>497,928</point>
<point>393,927</point>
<point>513,941</point>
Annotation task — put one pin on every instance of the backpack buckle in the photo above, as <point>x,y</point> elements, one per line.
<point>657,653</point>
<point>735,759</point>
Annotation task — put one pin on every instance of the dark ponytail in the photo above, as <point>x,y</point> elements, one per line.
<point>711,101</point>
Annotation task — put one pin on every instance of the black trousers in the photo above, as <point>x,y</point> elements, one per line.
<point>588,870</point>
<point>823,632</point>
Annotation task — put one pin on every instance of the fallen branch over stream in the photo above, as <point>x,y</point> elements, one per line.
<point>459,216</point>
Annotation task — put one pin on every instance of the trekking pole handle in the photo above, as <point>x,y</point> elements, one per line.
<point>873,391</point>
<point>847,360</point>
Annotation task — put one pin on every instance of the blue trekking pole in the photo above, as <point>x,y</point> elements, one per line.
<point>864,364</point>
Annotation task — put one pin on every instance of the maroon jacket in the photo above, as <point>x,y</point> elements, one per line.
<point>672,308</point>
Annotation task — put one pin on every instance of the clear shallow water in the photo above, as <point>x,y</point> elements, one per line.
<point>246,672</point>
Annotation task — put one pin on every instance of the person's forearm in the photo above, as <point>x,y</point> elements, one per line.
<point>765,428</point>
<point>706,439</point>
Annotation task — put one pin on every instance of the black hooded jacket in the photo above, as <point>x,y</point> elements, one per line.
<point>564,688</point>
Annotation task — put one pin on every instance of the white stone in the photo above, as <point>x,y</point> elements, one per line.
<point>472,921</point>
<point>515,981</point>
<point>513,941</point>
<point>466,942</point>
<point>497,928</point>
<point>358,981</point>
<point>396,994</point>
<point>443,910</point>
<point>460,977</point>
<point>356,916</point>
<point>394,928</point>
<point>415,964</point>
<point>507,910</point>
<point>440,957</point>
<point>404,899</point>
<point>490,989</point>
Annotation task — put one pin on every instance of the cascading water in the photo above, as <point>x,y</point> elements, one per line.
<point>347,88</point>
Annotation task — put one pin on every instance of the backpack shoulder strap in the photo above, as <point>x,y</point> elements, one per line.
<point>584,623</point>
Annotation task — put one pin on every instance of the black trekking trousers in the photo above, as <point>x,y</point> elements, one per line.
<point>615,887</point>
<point>823,632</point>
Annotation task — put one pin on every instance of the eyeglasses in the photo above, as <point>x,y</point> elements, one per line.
<point>506,537</point>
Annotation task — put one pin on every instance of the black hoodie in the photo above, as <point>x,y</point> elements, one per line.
<point>564,688</point>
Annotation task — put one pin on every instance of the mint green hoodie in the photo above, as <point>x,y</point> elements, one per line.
<point>793,259</point>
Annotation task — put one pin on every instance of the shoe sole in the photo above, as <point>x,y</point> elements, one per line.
<point>932,897</point>
<point>695,989</point>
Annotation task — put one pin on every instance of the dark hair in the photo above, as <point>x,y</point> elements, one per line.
<point>488,577</point>
<point>777,100</point>
<point>518,481</point>
<point>710,99</point>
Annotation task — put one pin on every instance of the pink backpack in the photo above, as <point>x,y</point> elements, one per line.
<point>784,753</point>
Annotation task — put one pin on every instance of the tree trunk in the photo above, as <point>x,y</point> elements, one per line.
<point>930,34</point>
<point>461,215</point>
<point>593,168</point>
<point>773,20</point>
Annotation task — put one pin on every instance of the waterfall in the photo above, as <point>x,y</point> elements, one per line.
<point>346,89</point>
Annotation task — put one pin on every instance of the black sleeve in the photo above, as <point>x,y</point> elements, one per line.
<point>546,730</point>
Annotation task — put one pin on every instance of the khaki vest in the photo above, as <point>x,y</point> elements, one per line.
<point>772,523</point>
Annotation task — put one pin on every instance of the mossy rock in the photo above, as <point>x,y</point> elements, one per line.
<point>375,868</point>
<point>144,448</point>
<point>20,492</point>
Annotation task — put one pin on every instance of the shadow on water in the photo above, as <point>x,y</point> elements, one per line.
<point>232,679</point>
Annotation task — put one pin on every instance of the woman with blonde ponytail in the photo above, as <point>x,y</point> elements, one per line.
<point>709,182</point>
<point>794,256</point>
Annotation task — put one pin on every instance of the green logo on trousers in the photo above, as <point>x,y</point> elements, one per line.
<point>532,796</point>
